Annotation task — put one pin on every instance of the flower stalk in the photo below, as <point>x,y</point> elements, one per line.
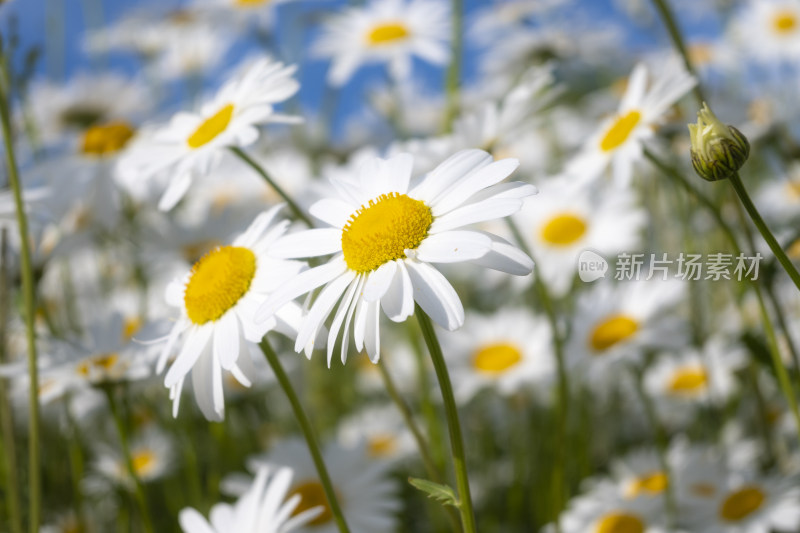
<point>308,433</point>
<point>29,298</point>
<point>453,424</point>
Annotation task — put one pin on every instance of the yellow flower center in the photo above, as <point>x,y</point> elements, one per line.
<point>106,139</point>
<point>130,327</point>
<point>563,229</point>
<point>687,380</point>
<point>612,331</point>
<point>652,483</point>
<point>620,523</point>
<point>619,132</point>
<point>143,462</point>
<point>387,33</point>
<point>211,127</point>
<point>384,230</point>
<point>218,280</point>
<point>102,363</point>
<point>496,358</point>
<point>741,503</point>
<point>312,495</point>
<point>381,445</point>
<point>784,22</point>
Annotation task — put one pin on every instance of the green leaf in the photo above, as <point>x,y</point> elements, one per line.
<point>441,493</point>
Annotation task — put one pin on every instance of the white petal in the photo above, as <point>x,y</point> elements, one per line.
<point>398,302</point>
<point>472,213</point>
<point>175,191</point>
<point>448,172</point>
<point>474,182</point>
<point>193,522</point>
<point>321,309</point>
<point>349,319</point>
<point>378,282</point>
<point>435,295</point>
<point>308,243</point>
<point>505,257</point>
<point>341,312</point>
<point>257,227</point>
<point>301,284</point>
<point>360,324</point>
<point>400,167</point>
<point>332,211</point>
<point>226,340</point>
<point>372,337</point>
<point>453,247</point>
<point>195,343</point>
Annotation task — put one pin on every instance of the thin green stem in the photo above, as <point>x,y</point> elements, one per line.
<point>668,18</point>
<point>454,68</point>
<point>408,418</point>
<point>780,370</point>
<point>29,296</point>
<point>308,432</point>
<point>661,445</point>
<point>139,494</point>
<point>755,216</point>
<point>263,173</point>
<point>8,449</point>
<point>422,443</point>
<point>453,424</point>
<point>562,392</point>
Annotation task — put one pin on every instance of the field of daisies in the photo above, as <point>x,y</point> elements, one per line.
<point>400,266</point>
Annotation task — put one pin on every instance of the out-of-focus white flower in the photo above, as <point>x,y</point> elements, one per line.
<point>193,142</point>
<point>385,31</point>
<point>619,142</point>
<point>264,508</point>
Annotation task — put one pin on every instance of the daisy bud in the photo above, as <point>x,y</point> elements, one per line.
<point>717,150</point>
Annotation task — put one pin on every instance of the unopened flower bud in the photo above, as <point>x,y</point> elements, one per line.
<point>717,150</point>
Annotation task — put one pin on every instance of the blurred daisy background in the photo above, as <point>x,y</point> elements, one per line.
<point>233,144</point>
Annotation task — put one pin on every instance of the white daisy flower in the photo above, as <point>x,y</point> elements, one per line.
<point>366,492</point>
<point>385,31</point>
<point>242,12</point>
<point>603,510</point>
<point>152,457</point>
<point>385,233</point>
<point>193,142</point>
<point>87,100</point>
<point>748,503</point>
<point>683,382</point>
<point>506,351</point>
<point>619,142</point>
<point>381,430</point>
<point>769,30</point>
<point>264,508</point>
<point>615,324</point>
<point>192,49</point>
<point>571,220</point>
<point>218,299</point>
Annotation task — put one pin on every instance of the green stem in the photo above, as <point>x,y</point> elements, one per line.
<point>28,291</point>
<point>308,432</point>
<point>8,448</point>
<point>677,40</point>
<point>263,173</point>
<point>661,445</point>
<point>422,443</point>
<point>454,68</point>
<point>780,370</point>
<point>562,393</point>
<point>453,424</point>
<point>755,216</point>
<point>141,499</point>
